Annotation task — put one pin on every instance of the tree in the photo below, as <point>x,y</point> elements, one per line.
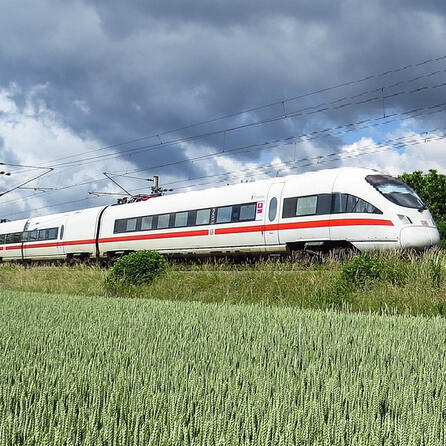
<point>431,187</point>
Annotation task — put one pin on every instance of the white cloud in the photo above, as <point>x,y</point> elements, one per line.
<point>32,134</point>
<point>424,152</point>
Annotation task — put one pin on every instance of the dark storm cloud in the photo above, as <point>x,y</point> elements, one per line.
<point>119,70</point>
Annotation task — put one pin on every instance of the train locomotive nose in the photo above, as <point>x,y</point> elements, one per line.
<point>419,237</point>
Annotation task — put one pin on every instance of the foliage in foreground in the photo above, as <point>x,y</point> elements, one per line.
<point>137,268</point>
<point>420,289</point>
<point>366,269</point>
<point>432,189</point>
<point>93,371</point>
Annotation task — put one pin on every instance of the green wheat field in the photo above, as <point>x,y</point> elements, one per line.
<point>114,371</point>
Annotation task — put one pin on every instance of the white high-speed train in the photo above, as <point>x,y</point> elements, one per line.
<point>335,208</point>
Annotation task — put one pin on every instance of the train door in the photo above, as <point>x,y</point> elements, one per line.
<point>43,238</point>
<point>24,238</point>
<point>272,214</point>
<point>61,234</point>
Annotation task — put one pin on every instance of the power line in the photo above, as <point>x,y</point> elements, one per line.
<point>24,183</point>
<point>377,75</point>
<point>267,145</point>
<point>293,114</point>
<point>343,129</point>
<point>321,159</point>
<point>275,103</point>
<point>398,142</point>
<point>296,113</point>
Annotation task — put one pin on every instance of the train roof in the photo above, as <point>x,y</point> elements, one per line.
<point>332,173</point>
<point>8,227</point>
<point>231,188</point>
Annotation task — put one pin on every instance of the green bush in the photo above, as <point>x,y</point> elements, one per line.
<point>137,268</point>
<point>431,187</point>
<point>369,268</point>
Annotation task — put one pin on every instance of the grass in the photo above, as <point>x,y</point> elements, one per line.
<point>421,291</point>
<point>95,371</point>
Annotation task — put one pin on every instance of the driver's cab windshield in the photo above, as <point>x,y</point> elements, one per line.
<point>396,191</point>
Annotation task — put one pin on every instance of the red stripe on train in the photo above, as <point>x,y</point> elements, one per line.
<point>56,244</point>
<point>9,248</point>
<point>51,244</point>
<point>307,224</point>
<point>130,238</point>
<point>204,232</point>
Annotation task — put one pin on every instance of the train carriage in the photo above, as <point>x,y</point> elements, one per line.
<point>11,239</point>
<point>335,208</point>
<point>81,233</point>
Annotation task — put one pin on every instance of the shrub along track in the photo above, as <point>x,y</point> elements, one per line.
<point>388,283</point>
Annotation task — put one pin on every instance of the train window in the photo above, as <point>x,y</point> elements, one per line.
<point>306,205</point>
<point>309,205</point>
<point>33,235</point>
<point>364,207</point>
<point>324,204</point>
<point>48,234</point>
<point>11,238</point>
<point>248,212</point>
<point>180,219</point>
<point>203,217</point>
<point>131,225</point>
<point>339,203</point>
<point>289,207</point>
<point>163,221</point>
<point>272,212</point>
<point>191,218</point>
<point>396,191</point>
<point>224,214</point>
<point>353,204</point>
<point>146,223</point>
<point>120,225</point>
<point>235,213</point>
<point>346,203</point>
<point>17,238</point>
<point>62,229</point>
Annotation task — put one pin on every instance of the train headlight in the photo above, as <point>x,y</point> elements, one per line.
<point>405,219</point>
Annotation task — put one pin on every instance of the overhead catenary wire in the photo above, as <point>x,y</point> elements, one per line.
<point>293,114</point>
<point>287,115</point>
<point>312,161</point>
<point>340,129</point>
<point>282,101</point>
<point>333,102</point>
<point>24,183</point>
<point>321,159</point>
<point>302,137</point>
<point>398,142</point>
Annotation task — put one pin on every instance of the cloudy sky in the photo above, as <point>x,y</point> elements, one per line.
<point>213,92</point>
